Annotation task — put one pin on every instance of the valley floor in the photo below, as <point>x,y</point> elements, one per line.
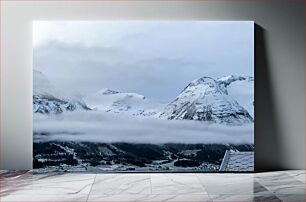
<point>103,157</point>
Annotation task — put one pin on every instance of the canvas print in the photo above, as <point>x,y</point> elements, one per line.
<point>143,96</point>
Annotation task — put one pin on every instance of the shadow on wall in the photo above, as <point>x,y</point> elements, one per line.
<point>267,141</point>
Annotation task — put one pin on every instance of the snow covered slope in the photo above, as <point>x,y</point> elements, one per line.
<point>206,99</point>
<point>48,104</point>
<point>126,103</point>
<point>242,89</point>
<point>47,100</point>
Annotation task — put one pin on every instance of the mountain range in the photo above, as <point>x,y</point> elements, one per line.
<point>47,100</point>
<point>204,99</point>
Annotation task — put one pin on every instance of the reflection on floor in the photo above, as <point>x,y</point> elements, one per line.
<point>270,186</point>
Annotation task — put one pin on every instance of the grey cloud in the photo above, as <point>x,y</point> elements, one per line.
<point>156,59</point>
<point>74,68</point>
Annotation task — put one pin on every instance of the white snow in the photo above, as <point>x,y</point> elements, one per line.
<point>225,100</point>
<point>125,103</point>
<point>206,99</point>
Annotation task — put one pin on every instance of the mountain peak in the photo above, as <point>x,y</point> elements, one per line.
<point>227,80</point>
<point>47,99</point>
<point>206,99</point>
<point>120,102</point>
<point>107,91</point>
<point>202,80</point>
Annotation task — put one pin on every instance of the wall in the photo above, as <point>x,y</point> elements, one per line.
<point>279,72</point>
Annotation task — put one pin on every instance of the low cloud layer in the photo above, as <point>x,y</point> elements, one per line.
<point>103,127</point>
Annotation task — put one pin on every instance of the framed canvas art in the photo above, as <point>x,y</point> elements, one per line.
<point>143,96</point>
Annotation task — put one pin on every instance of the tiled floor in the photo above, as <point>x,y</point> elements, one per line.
<point>270,186</point>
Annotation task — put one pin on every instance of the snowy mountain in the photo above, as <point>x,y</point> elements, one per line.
<point>242,89</point>
<point>47,100</point>
<point>226,100</point>
<point>47,104</point>
<point>126,103</point>
<point>207,99</point>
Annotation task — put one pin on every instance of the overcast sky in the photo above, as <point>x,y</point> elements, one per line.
<point>153,58</point>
